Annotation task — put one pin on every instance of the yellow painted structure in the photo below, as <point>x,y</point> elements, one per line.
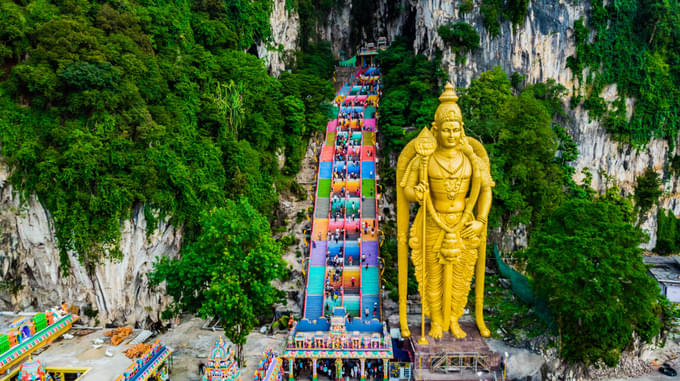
<point>448,174</point>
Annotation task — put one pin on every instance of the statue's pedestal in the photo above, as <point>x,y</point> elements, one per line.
<point>451,358</point>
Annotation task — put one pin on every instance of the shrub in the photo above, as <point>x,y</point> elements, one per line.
<point>461,37</point>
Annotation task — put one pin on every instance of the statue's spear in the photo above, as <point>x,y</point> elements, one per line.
<point>425,146</point>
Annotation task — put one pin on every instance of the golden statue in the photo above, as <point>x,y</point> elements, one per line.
<point>448,174</point>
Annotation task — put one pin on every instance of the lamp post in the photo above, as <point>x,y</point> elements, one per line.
<point>505,366</point>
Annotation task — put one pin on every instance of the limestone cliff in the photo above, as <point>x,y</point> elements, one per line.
<point>119,290</point>
<point>390,19</point>
<point>285,27</point>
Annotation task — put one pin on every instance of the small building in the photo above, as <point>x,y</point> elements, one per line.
<point>666,271</point>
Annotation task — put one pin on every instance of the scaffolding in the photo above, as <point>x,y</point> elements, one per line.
<point>447,362</point>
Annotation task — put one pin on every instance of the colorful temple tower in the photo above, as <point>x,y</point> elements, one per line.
<point>221,366</point>
<point>33,371</point>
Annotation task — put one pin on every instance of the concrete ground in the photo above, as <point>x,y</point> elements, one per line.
<point>79,352</point>
<point>192,344</point>
<point>522,363</point>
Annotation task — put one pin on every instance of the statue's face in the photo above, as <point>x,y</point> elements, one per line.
<point>449,134</point>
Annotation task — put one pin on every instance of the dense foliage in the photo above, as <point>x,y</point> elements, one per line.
<point>461,37</point>
<point>585,262</point>
<point>496,11</point>
<point>647,190</point>
<point>667,233</point>
<point>106,107</point>
<point>532,177</point>
<point>636,45</point>
<point>227,271</point>
<point>466,6</point>
<point>411,91</point>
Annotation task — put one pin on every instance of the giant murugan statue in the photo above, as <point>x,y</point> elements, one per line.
<point>448,174</point>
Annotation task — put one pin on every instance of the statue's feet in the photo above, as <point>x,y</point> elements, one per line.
<point>482,328</point>
<point>456,331</point>
<point>436,330</point>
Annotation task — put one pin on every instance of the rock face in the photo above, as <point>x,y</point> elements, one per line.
<point>391,19</point>
<point>538,49</point>
<point>337,27</point>
<point>119,291</point>
<point>285,27</point>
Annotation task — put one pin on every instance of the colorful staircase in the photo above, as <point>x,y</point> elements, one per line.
<point>345,224</point>
<point>152,365</point>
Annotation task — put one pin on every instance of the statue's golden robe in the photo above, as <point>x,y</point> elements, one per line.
<point>445,269</point>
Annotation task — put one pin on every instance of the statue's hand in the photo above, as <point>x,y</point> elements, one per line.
<point>420,190</point>
<point>472,229</point>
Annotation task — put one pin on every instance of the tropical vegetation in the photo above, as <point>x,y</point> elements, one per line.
<point>461,37</point>
<point>575,237</point>
<point>106,108</point>
<point>109,109</point>
<point>634,44</point>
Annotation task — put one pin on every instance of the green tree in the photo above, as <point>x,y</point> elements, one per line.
<point>229,103</point>
<point>523,143</point>
<point>647,190</point>
<point>586,263</point>
<point>496,11</point>
<point>667,232</point>
<point>226,272</point>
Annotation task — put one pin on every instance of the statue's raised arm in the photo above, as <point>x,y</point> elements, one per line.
<point>448,174</point>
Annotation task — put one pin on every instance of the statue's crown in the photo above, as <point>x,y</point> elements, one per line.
<point>448,109</point>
